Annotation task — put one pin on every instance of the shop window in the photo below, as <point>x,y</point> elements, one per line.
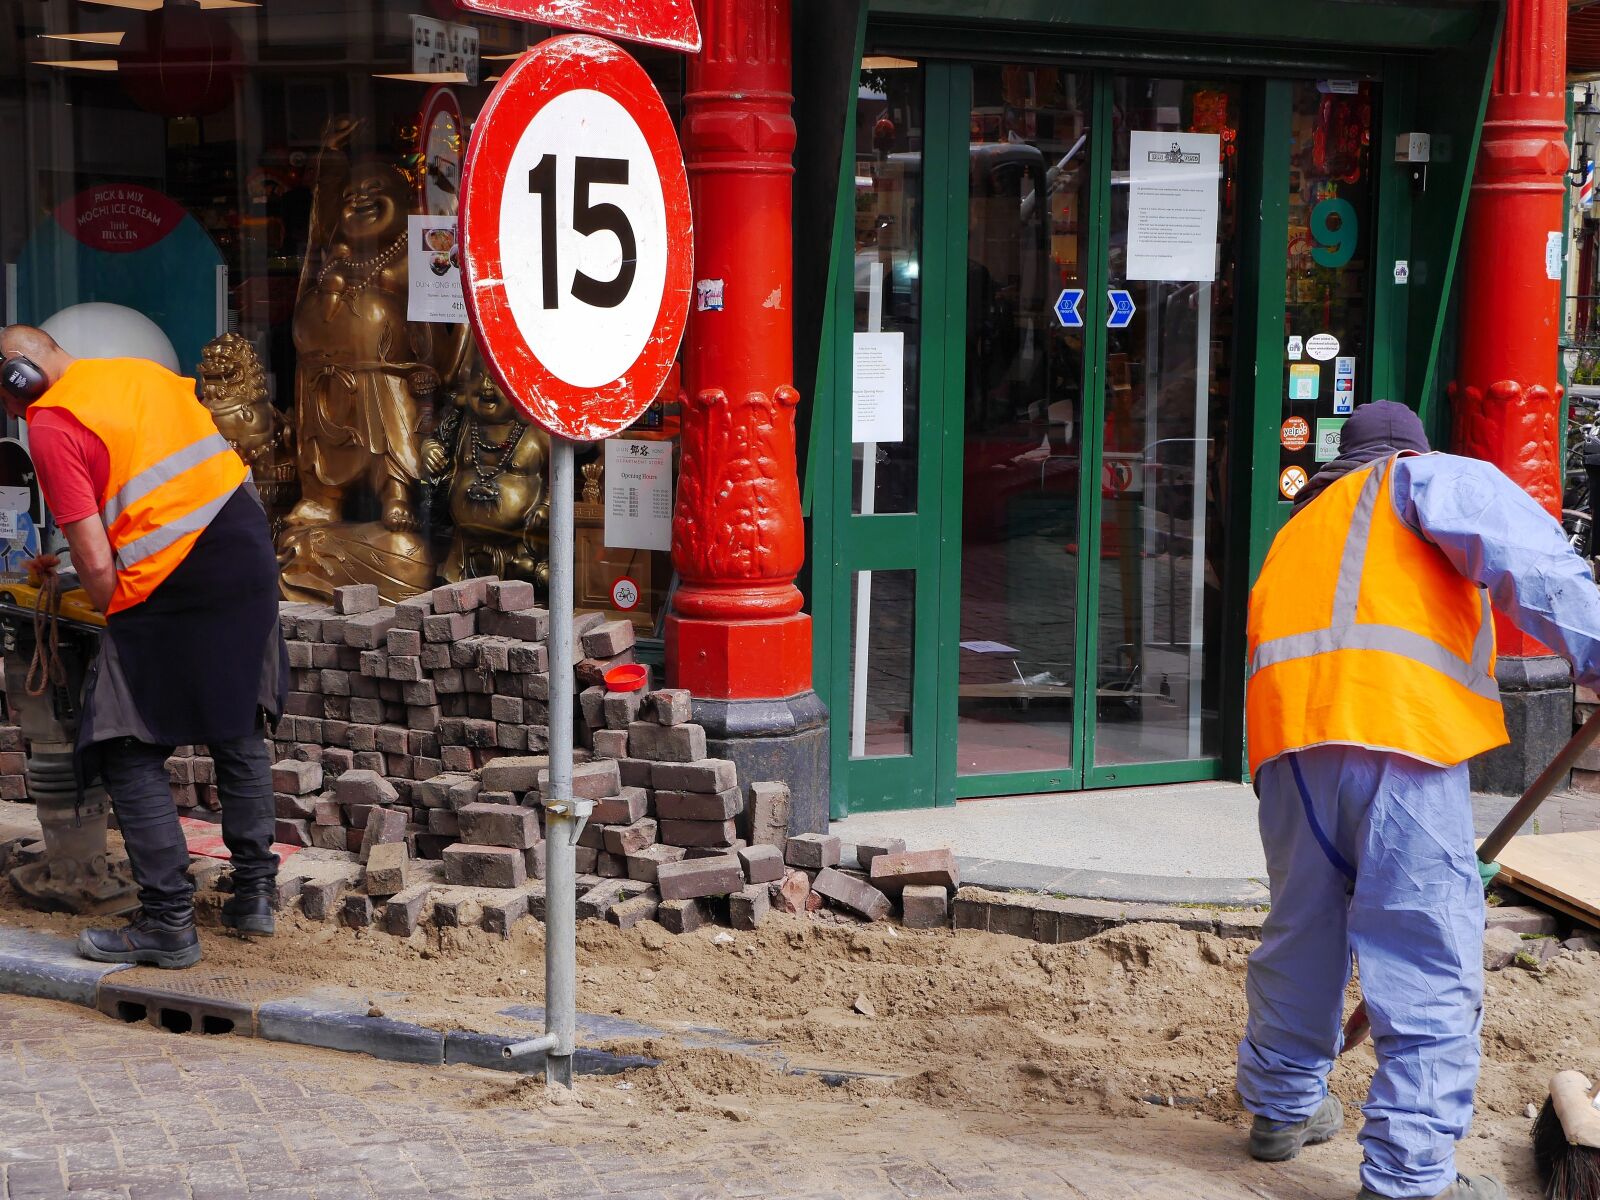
<point>264,196</point>
<point>1331,228</point>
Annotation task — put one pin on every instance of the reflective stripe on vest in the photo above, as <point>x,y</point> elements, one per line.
<point>167,469</point>
<point>136,552</point>
<point>1345,633</point>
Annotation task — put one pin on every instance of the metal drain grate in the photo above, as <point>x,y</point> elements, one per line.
<point>193,1001</point>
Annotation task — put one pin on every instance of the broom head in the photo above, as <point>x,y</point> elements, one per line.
<point>1566,1139</point>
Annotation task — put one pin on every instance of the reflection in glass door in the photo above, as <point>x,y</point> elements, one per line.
<point>1027,243</point>
<point>1168,380</point>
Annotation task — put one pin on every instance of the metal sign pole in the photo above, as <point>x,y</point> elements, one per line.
<point>564,816</point>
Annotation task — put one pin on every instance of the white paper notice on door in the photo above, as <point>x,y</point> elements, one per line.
<point>1173,179</point>
<point>638,495</point>
<point>877,388</point>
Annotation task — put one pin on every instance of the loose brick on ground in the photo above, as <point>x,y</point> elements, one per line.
<point>925,906</point>
<point>762,864</point>
<point>357,910</point>
<point>694,878</point>
<point>769,813</point>
<point>485,866</point>
<point>621,709</point>
<point>355,598</point>
<point>403,913</point>
<point>891,872</point>
<point>854,894</point>
<point>590,781</point>
<point>812,851</point>
<point>698,833</point>
<point>699,806</point>
<point>683,916</point>
<point>705,775</point>
<point>870,848</point>
<point>595,902</point>
<point>628,913</point>
<point>626,807</point>
<point>671,706</point>
<point>644,864</point>
<point>630,839</point>
<point>365,787</point>
<point>667,743</point>
<point>499,825</point>
<point>296,778</point>
<point>384,825</point>
<point>510,595</point>
<point>793,894</point>
<point>514,773</point>
<point>749,906</point>
<point>387,867</point>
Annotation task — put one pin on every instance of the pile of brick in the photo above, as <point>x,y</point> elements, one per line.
<point>411,764</point>
<point>13,764</point>
<point>444,683</point>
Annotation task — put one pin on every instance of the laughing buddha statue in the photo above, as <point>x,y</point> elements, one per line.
<point>492,463</point>
<point>366,379</point>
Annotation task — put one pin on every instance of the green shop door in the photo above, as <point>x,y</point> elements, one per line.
<point>1045,277</point>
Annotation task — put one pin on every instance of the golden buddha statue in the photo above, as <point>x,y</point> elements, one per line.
<point>365,384</point>
<point>494,464</point>
<point>233,386</point>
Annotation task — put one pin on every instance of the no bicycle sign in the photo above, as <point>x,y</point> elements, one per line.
<point>576,237</point>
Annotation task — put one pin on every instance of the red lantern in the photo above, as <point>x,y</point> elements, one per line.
<point>180,62</point>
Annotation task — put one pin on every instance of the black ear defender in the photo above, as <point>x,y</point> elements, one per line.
<point>22,379</point>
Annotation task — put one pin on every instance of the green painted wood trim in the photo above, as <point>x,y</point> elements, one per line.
<point>951,363</point>
<point>1307,22</point>
<point>1096,307</point>
<point>1140,774</point>
<point>1452,95</point>
<point>1016,783</point>
<point>1391,239</point>
<point>1259,411</point>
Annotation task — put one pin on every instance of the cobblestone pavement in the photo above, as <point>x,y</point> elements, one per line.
<point>94,1110</point>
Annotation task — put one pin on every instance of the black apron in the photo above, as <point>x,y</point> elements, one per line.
<point>202,657</point>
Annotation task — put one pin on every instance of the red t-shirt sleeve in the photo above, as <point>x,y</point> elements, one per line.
<point>72,463</point>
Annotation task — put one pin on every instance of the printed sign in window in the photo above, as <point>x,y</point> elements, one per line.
<point>638,495</point>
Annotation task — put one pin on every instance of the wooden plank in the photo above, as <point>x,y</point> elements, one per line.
<point>1562,866</point>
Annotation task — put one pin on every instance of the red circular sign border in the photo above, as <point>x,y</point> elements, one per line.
<point>556,66</point>
<point>638,594</point>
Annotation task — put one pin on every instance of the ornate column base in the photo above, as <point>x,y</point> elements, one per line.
<point>751,682</point>
<point>1537,695</point>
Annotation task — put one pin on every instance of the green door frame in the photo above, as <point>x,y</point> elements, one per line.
<point>1405,341</point>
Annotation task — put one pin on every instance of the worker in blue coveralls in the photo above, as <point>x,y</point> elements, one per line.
<point>1371,684</point>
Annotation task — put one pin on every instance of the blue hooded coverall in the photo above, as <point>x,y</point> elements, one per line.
<point>1372,852</point>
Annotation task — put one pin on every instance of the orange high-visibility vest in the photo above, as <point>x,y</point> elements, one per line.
<point>171,471</point>
<point>1361,633</point>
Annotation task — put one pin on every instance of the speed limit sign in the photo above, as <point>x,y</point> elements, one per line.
<point>575,237</point>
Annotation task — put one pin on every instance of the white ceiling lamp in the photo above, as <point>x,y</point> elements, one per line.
<point>109,38</point>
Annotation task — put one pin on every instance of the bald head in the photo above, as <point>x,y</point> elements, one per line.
<point>39,348</point>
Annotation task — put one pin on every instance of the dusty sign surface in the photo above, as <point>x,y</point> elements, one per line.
<point>576,242</point>
<point>670,24</point>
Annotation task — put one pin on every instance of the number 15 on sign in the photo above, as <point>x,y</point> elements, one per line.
<point>576,238</point>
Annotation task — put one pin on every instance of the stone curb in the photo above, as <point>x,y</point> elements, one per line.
<point>46,967</point>
<point>1056,919</point>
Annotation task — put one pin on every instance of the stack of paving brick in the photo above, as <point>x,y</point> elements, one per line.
<point>446,682</point>
<point>13,764</point>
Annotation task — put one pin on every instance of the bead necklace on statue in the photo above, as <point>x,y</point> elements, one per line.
<point>486,488</point>
<point>364,270</point>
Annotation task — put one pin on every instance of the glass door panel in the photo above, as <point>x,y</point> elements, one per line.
<point>1326,315</point>
<point>1174,226</point>
<point>1027,246</point>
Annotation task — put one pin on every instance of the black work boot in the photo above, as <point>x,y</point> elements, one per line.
<point>144,940</point>
<point>1279,1141</point>
<point>249,912</point>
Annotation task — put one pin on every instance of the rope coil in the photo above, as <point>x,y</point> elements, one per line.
<point>46,669</point>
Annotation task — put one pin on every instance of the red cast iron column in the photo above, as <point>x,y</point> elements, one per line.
<point>1507,401</point>
<point>736,631</point>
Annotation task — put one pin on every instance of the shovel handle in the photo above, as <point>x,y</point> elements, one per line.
<point>1359,1025</point>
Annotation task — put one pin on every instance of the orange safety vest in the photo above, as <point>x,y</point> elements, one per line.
<point>171,471</point>
<point>1361,633</point>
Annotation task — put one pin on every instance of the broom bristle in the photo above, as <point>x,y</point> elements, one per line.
<point>1569,1172</point>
